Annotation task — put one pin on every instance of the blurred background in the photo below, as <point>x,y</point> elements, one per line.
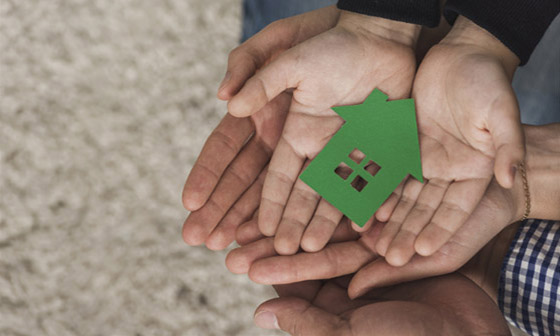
<point>104,106</point>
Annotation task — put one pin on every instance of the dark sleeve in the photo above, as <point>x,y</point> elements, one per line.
<point>422,12</point>
<point>519,24</point>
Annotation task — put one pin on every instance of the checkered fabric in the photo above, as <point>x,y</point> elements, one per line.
<point>529,292</point>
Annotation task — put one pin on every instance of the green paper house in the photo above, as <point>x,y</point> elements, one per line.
<point>386,133</point>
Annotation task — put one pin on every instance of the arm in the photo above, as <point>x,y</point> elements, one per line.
<point>518,24</point>
<point>421,12</point>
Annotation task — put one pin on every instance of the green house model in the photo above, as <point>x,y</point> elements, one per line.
<point>386,133</point>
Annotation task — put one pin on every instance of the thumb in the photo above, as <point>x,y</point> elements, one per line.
<point>299,317</point>
<point>507,135</point>
<point>265,85</point>
<point>275,38</point>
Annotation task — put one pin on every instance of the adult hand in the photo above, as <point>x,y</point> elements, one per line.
<point>338,67</point>
<point>447,305</point>
<point>224,187</point>
<point>469,127</point>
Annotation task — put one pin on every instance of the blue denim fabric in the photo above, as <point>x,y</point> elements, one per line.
<point>537,84</point>
<point>257,14</point>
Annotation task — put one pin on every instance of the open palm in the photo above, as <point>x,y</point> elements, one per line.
<point>338,67</point>
<point>469,128</point>
<point>448,305</point>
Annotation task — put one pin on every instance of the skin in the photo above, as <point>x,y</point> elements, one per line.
<point>295,43</point>
<point>448,305</point>
<point>350,252</point>
<point>224,186</point>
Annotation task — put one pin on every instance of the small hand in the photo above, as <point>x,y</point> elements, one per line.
<point>469,128</point>
<point>338,67</point>
<point>447,305</point>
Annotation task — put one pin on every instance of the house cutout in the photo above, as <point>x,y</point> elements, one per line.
<point>375,149</point>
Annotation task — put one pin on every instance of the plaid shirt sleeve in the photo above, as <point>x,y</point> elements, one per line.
<point>529,289</point>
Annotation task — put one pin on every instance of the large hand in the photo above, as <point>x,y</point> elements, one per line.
<point>223,188</point>
<point>469,128</point>
<point>338,67</point>
<point>447,305</point>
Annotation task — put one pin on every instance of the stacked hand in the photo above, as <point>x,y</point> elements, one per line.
<point>350,252</point>
<point>448,305</point>
<point>337,67</point>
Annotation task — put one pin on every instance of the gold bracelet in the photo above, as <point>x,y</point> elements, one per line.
<point>526,189</point>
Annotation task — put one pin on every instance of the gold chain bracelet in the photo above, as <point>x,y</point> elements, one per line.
<point>526,189</point>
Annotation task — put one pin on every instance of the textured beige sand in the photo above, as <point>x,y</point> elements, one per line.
<point>104,107</point>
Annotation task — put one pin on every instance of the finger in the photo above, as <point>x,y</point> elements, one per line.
<point>386,209</point>
<point>379,273</point>
<point>283,171</point>
<point>299,210</point>
<point>219,150</point>
<point>299,317</point>
<point>343,232</point>
<point>507,134</point>
<point>306,290</point>
<point>401,248</point>
<point>459,202</point>
<point>248,232</point>
<point>411,190</point>
<point>241,212</point>
<point>334,299</point>
<point>334,260</point>
<point>239,260</point>
<point>265,85</point>
<point>237,178</point>
<point>321,228</point>
<point>278,36</point>
<point>364,228</point>
<point>370,237</point>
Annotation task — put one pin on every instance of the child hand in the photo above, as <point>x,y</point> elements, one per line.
<point>469,128</point>
<point>338,67</point>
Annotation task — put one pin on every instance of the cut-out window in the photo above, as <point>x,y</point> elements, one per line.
<point>357,155</point>
<point>372,168</point>
<point>343,170</point>
<point>359,183</point>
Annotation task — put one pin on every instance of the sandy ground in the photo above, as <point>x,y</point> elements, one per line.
<point>104,107</point>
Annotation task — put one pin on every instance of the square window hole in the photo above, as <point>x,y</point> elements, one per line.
<point>359,183</point>
<point>343,170</point>
<point>372,168</point>
<point>357,155</point>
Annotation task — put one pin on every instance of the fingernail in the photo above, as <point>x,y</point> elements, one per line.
<point>226,79</point>
<point>266,320</point>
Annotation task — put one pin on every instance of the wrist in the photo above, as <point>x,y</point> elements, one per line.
<point>543,172</point>
<point>467,33</point>
<point>400,32</point>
